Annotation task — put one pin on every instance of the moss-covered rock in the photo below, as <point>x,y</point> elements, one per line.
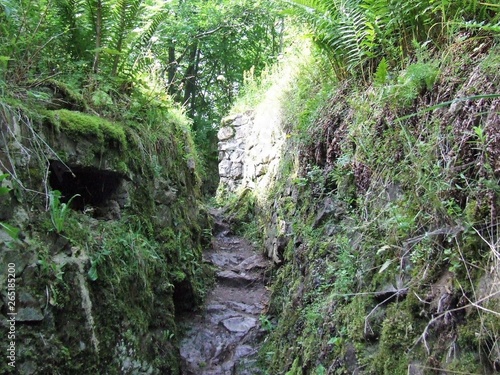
<point>386,210</point>
<point>102,268</point>
<point>77,124</point>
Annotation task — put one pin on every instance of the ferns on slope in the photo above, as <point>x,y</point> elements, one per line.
<point>358,33</point>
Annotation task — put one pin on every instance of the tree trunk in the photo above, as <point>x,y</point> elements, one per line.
<point>172,68</point>
<point>190,78</point>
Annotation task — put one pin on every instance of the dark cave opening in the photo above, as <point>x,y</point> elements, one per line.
<point>93,186</point>
<point>184,299</point>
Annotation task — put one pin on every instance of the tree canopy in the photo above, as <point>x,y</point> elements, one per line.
<point>195,50</point>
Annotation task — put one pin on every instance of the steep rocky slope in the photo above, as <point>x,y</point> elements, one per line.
<point>382,218</point>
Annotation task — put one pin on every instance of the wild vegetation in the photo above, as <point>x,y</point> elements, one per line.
<point>387,188</point>
<point>119,56</point>
<point>390,242</point>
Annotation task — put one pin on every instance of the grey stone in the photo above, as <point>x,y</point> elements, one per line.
<point>234,279</point>
<point>111,211</point>
<point>237,156</point>
<point>239,324</point>
<point>225,168</point>
<point>331,209</point>
<point>229,119</point>
<point>20,217</point>
<point>20,258</point>
<point>243,351</point>
<point>225,132</point>
<point>236,170</point>
<point>126,364</point>
<point>29,308</point>
<point>416,368</point>
<point>254,262</point>
<point>121,195</point>
<point>240,120</point>
<point>243,307</point>
<point>27,368</point>
<point>191,164</point>
<point>4,237</point>
<point>29,314</point>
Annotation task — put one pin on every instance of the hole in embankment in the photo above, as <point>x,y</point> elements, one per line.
<point>94,187</point>
<point>184,299</point>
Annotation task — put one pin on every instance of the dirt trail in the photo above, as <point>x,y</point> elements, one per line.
<point>223,338</point>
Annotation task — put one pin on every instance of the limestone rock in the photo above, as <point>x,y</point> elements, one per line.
<point>29,309</point>
<point>236,170</point>
<point>225,132</point>
<point>239,324</point>
<point>252,148</point>
<point>225,168</point>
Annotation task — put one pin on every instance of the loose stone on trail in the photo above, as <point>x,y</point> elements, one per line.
<point>225,337</point>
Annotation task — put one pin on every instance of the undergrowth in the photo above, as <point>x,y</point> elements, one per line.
<point>390,262</point>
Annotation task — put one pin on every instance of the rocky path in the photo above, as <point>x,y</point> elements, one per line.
<point>223,339</point>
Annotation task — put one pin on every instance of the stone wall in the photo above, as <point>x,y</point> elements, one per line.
<point>249,149</point>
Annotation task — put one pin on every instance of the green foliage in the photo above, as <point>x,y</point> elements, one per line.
<point>359,34</point>
<point>296,368</point>
<point>381,73</point>
<point>265,323</point>
<point>398,332</point>
<point>124,244</point>
<point>59,211</point>
<point>426,189</point>
<point>415,80</point>
<point>96,260</point>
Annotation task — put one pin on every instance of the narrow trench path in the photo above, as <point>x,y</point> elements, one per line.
<point>225,336</point>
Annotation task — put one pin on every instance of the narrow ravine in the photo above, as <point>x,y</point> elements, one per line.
<point>223,338</point>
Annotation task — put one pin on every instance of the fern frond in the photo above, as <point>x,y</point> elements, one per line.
<point>144,41</point>
<point>126,16</point>
<point>78,37</point>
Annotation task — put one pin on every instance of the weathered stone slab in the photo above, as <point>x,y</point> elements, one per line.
<point>29,310</point>
<point>234,279</point>
<point>240,324</point>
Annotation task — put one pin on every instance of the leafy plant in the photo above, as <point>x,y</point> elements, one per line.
<point>359,34</point>
<point>95,261</point>
<point>265,323</point>
<point>59,211</point>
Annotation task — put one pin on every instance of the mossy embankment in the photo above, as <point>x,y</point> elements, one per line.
<point>384,214</point>
<point>100,278</point>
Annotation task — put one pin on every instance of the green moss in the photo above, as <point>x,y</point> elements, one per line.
<point>398,334</point>
<point>296,368</point>
<point>467,363</point>
<point>70,94</point>
<point>78,123</point>
<point>352,317</point>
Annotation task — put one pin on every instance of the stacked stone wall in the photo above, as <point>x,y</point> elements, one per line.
<point>249,149</point>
